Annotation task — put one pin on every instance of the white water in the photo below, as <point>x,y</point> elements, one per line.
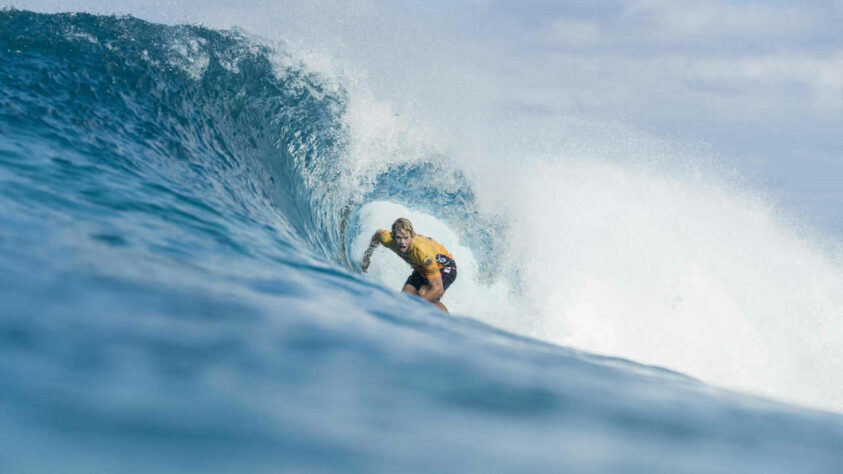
<point>684,274</point>
<point>681,273</point>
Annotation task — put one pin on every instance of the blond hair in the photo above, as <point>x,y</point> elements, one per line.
<point>403,224</point>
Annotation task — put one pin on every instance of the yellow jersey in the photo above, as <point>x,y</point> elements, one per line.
<point>424,255</point>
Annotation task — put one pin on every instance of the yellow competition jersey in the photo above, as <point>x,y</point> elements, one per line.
<point>421,255</point>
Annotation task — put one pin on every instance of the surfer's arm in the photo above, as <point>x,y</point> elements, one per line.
<point>367,257</point>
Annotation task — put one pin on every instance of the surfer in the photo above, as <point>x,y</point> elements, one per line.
<point>434,268</point>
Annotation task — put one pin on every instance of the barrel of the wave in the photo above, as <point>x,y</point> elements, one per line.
<point>434,268</point>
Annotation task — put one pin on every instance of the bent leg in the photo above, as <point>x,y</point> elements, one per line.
<point>423,293</point>
<point>408,288</point>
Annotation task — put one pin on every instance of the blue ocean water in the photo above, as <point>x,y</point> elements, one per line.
<point>179,292</point>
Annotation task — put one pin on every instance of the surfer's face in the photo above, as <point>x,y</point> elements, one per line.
<point>404,240</point>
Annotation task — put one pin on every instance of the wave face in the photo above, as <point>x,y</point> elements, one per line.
<point>179,219</point>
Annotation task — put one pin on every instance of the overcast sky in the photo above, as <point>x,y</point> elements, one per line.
<point>761,82</point>
<point>758,82</point>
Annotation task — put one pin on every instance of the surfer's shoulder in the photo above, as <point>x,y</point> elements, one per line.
<point>423,254</point>
<point>384,235</point>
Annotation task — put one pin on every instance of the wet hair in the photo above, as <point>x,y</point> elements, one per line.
<point>402,224</point>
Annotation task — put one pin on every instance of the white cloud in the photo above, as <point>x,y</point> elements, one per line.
<point>573,32</point>
<point>675,20</point>
<point>823,77</point>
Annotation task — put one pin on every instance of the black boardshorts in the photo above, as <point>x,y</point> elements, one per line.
<point>448,272</point>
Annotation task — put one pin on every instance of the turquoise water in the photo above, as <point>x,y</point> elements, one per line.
<point>179,292</point>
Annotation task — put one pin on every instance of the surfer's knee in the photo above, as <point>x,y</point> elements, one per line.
<point>425,291</point>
